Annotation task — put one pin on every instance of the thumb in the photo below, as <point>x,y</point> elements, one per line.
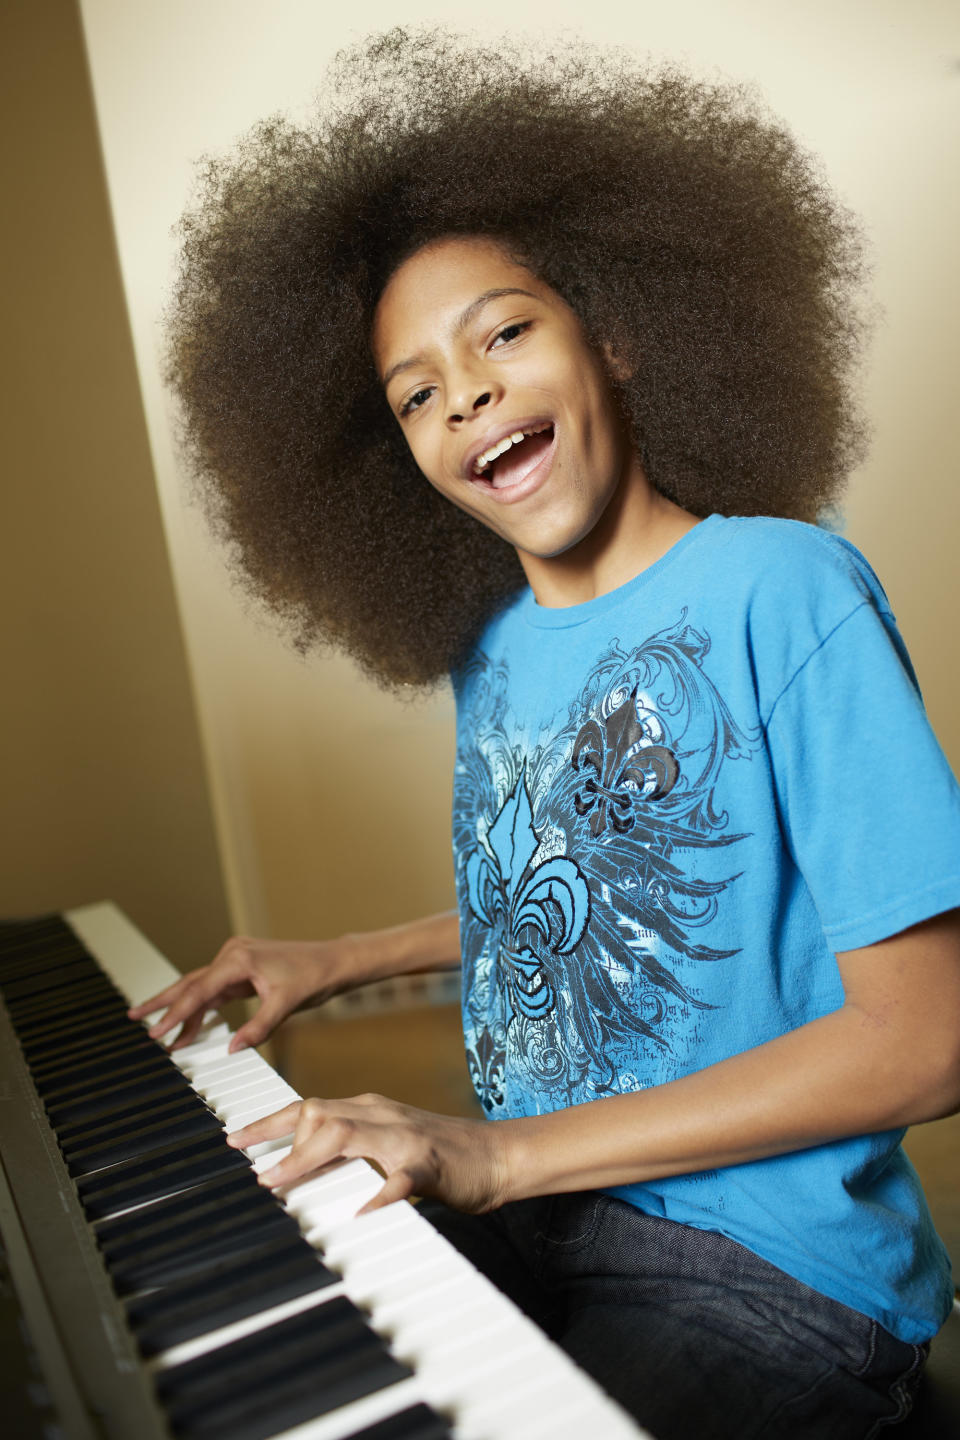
<point>399,1186</point>
<point>255,1030</point>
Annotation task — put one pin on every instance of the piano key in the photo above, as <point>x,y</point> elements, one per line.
<point>97,1155</point>
<point>233,1072</point>
<point>34,960</point>
<point>76,1135</point>
<point>293,1398</point>
<point>236,1116</point>
<point>202,1208</point>
<point>144,1067</point>
<point>256,1323</point>
<point>21,945</point>
<point>324,1203</point>
<point>315,1333</point>
<point>115,1099</point>
<point>177,1205</point>
<point>417,1423</point>
<point>114,1063</point>
<point>73,1013</point>
<point>102,1196</point>
<point>180,1258</point>
<point>353,1419</point>
<point>75,1132</point>
<point>357,1187</point>
<point>62,1055</point>
<point>82,982</point>
<point>156,1160</point>
<point>263,1278</point>
<point>34,983</point>
<point>426,1306</point>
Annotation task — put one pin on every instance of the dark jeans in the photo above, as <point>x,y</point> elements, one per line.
<point>693,1334</point>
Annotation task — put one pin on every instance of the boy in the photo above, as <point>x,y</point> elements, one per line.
<point>706,846</point>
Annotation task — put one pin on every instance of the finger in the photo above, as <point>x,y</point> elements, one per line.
<point>158,1001</point>
<point>190,1030</point>
<point>255,1030</point>
<point>318,1139</point>
<point>399,1186</point>
<point>196,999</point>
<point>269,1127</point>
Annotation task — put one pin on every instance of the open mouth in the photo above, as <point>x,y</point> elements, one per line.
<point>511,459</point>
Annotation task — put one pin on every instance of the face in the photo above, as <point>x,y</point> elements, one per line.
<point>506,408</point>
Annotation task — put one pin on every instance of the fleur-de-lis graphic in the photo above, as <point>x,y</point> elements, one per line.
<point>487,1064</point>
<point>621,766</point>
<point>540,911</point>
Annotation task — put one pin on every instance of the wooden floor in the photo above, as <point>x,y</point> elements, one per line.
<point>417,1056</point>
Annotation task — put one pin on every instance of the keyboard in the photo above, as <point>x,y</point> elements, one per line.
<point>167,1294</point>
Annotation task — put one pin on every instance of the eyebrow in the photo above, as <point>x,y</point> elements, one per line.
<point>460,324</point>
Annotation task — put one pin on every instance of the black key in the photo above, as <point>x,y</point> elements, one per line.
<point>175,1207</point>
<point>158,1158</point>
<point>252,1282</point>
<point>111,1098</point>
<point>291,1400</point>
<point>81,1132</point>
<point>134,1143</point>
<point>46,1060</point>
<point>246,1266</point>
<point>168,1264</point>
<point>153,1064</point>
<point>110,1190</point>
<point>106,1058</point>
<point>333,1327</point>
<point>417,1423</point>
<point>90,1027</point>
<point>292,1379</point>
<point>203,1218</point>
<point>85,1024</point>
<point>52,1012</point>
<point>33,984</point>
<point>37,959</point>
<point>36,962</point>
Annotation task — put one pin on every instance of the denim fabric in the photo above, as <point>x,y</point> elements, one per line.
<point>689,1331</point>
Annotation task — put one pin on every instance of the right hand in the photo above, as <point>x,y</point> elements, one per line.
<point>284,974</point>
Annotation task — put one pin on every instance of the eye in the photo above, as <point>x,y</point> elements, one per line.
<point>414,401</point>
<point>510,332</point>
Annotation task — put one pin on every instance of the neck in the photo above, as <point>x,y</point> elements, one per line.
<point>637,528</point>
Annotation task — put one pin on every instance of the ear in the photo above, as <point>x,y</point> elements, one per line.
<point>618,367</point>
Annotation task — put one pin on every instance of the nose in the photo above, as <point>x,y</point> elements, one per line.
<point>468,397</point>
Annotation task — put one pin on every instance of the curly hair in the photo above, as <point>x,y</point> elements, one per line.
<point>682,224</point>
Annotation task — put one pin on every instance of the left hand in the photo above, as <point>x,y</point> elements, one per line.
<point>453,1159</point>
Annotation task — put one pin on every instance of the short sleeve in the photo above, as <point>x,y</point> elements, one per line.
<point>869,806</point>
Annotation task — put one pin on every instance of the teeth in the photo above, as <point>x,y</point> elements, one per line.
<point>488,456</point>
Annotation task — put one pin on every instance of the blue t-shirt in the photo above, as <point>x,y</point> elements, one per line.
<point>673,804</point>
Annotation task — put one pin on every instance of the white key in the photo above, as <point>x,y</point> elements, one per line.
<point>476,1354</point>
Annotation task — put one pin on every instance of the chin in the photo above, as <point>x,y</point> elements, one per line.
<point>552,542</point>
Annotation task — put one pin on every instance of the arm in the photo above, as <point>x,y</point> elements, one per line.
<point>286,975</point>
<point>889,1057</point>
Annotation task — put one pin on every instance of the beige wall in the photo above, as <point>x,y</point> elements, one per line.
<point>314,835</point>
<point>103,792</point>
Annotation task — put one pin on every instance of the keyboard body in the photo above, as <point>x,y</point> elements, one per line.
<point>369,1327</point>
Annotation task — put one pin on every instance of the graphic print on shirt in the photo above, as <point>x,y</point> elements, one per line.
<point>584,873</point>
